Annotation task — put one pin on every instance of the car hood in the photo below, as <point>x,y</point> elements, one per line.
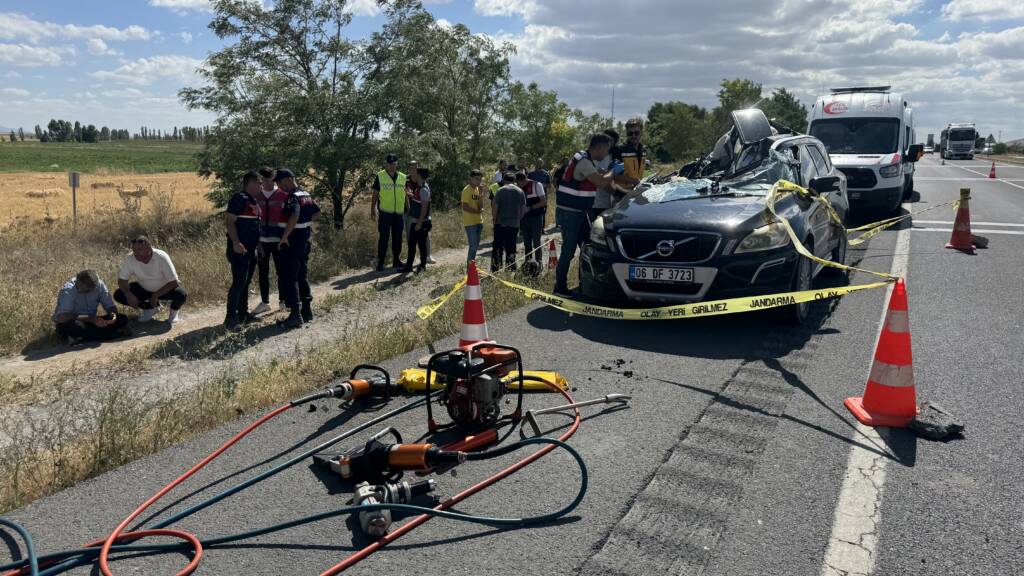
<point>725,214</point>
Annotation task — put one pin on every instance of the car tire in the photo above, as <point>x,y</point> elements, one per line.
<point>839,253</point>
<point>908,188</point>
<point>803,279</point>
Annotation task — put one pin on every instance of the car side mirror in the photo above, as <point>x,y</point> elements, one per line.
<point>825,184</point>
<point>915,152</point>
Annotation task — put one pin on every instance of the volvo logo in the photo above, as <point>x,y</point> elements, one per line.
<point>665,248</point>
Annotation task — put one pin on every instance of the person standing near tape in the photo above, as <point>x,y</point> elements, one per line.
<point>272,223</point>
<point>575,196</point>
<point>242,220</point>
<point>295,243</point>
<point>389,197</point>
<point>532,224</point>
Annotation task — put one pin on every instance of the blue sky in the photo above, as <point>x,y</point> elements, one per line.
<point>121,62</point>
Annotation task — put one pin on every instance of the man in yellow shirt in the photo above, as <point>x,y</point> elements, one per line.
<point>472,208</point>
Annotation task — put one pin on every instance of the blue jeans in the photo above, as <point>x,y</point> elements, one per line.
<point>575,230</point>
<point>473,235</point>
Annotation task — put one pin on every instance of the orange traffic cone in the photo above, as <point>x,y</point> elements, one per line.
<point>552,255</point>
<point>474,325</point>
<point>889,397</point>
<point>961,237</point>
<point>992,171</point>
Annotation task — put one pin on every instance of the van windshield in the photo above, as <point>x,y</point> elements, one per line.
<point>858,135</point>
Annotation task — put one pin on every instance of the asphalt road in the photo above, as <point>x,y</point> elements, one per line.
<point>729,460</point>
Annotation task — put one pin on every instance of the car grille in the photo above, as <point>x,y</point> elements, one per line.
<point>642,245</point>
<point>859,177</point>
<point>664,288</point>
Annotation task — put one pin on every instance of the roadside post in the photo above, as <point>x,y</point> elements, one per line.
<point>73,182</point>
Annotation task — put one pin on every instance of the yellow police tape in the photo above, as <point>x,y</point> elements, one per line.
<point>414,379</point>
<point>428,309</point>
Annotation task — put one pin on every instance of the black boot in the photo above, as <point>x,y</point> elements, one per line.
<point>294,319</point>
<point>307,311</point>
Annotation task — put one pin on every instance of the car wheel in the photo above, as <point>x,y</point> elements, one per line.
<point>802,280</point>
<point>839,253</point>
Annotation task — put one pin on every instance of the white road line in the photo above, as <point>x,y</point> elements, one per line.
<point>980,231</point>
<point>996,179</point>
<point>855,528</point>
<point>972,223</point>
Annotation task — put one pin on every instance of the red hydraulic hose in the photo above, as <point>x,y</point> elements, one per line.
<point>415,522</point>
<point>118,535</point>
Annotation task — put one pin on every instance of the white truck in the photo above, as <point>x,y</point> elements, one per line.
<point>869,134</point>
<point>958,141</point>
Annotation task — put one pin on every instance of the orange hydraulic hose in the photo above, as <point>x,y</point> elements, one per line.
<point>118,535</point>
<point>415,522</point>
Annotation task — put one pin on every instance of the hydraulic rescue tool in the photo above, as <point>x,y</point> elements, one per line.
<point>531,415</point>
<point>377,521</point>
<point>472,384</point>
<point>377,386</point>
<point>378,462</point>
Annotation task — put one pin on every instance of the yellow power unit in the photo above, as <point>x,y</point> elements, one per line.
<point>413,380</point>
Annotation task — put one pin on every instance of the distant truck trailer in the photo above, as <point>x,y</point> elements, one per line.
<point>957,141</point>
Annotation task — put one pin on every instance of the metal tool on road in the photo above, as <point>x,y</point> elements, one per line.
<point>377,522</point>
<point>531,415</point>
<point>378,462</point>
<point>377,386</point>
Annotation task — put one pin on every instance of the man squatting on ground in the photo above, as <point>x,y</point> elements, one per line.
<point>155,279</point>
<point>75,316</point>
<point>272,223</point>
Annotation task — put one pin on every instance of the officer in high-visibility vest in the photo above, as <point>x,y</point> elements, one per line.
<point>575,197</point>
<point>389,199</point>
<point>302,210</point>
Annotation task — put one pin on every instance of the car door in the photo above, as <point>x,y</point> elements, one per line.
<point>817,216</point>
<point>837,197</point>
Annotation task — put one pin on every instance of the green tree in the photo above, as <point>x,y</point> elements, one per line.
<point>536,123</point>
<point>735,94</point>
<point>12,136</point>
<point>784,108</point>
<point>290,89</point>
<point>679,131</point>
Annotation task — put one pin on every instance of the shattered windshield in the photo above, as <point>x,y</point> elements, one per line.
<point>757,181</point>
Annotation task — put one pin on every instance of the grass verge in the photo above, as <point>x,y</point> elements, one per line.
<point>79,441</point>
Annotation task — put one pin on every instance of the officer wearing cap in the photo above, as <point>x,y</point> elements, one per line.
<point>302,210</point>
<point>389,197</point>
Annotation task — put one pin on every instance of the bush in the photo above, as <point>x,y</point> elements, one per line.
<point>999,148</point>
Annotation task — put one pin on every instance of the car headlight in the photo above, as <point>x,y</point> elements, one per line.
<point>764,238</point>
<point>890,171</point>
<point>597,234</point>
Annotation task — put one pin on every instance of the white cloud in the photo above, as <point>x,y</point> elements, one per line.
<point>15,92</point>
<point>28,56</point>
<point>12,74</point>
<point>98,47</point>
<point>364,7</point>
<point>681,50</point>
<point>14,26</point>
<point>146,71</point>
<point>984,10</point>
<point>186,37</point>
<point>183,5</point>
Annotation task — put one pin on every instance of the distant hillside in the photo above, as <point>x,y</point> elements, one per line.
<point>1019,143</point>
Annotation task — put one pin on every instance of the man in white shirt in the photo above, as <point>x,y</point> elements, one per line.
<point>155,279</point>
<point>499,174</point>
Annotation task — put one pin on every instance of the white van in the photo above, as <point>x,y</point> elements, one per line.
<point>869,133</point>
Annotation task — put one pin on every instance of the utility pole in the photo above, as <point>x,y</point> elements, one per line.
<point>613,105</point>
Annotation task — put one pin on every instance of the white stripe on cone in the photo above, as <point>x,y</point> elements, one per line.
<point>892,374</point>
<point>898,322</point>
<point>472,292</point>
<point>473,332</point>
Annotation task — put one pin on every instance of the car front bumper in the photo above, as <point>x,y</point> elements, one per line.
<point>604,276</point>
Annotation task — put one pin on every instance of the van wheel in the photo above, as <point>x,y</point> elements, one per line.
<point>908,187</point>
<point>802,280</point>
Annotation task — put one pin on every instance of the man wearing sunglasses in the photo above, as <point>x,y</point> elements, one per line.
<point>631,154</point>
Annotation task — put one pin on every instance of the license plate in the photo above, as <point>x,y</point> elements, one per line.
<point>659,274</point>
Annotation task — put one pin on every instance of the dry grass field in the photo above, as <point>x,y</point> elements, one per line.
<point>33,196</point>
